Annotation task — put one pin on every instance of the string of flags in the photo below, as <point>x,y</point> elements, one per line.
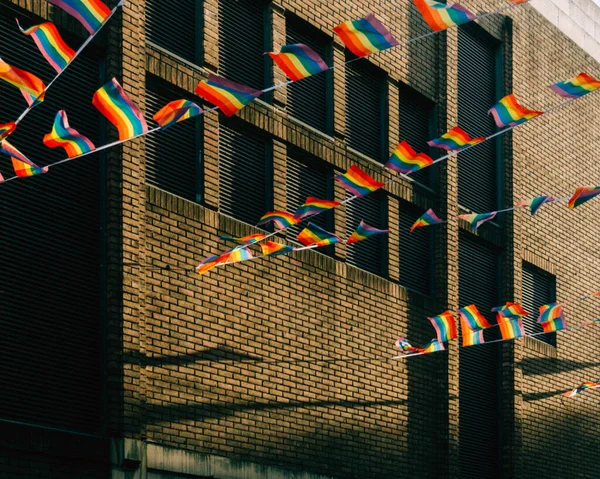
<point>583,387</point>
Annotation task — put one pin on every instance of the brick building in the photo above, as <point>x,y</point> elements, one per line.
<point>117,360</point>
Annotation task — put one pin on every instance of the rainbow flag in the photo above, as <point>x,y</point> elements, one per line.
<point>511,329</point>
<point>209,263</point>
<point>365,36</point>
<point>364,231</point>
<point>508,112</point>
<point>91,13</point>
<point>176,111</point>
<point>476,220</point>
<point>112,101</point>
<point>470,338</point>
<point>227,95</point>
<point>445,326</point>
<point>554,325</point>
<point>552,317</point>
<point>282,219</point>
<point>66,137</point>
<point>314,206</point>
<point>402,344</point>
<point>32,87</point>
<point>509,311</point>
<point>7,129</point>
<point>454,140</point>
<point>473,319</point>
<point>51,45</point>
<point>427,219</point>
<point>23,166</point>
<point>314,235</point>
<point>298,61</point>
<point>585,385</point>
<point>275,249</point>
<point>357,182</point>
<point>581,85</point>
<point>406,161</point>
<point>583,194</point>
<point>432,346</point>
<point>440,16</point>
<point>536,203</point>
<point>250,239</point>
<point>237,254</point>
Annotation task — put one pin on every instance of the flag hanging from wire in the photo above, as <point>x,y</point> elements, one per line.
<point>270,248</point>
<point>29,84</point>
<point>473,319</point>
<point>176,111</point>
<point>440,16</point>
<point>22,165</point>
<point>357,182</point>
<point>51,45</point>
<point>229,96</point>
<point>583,194</point>
<point>7,129</point>
<point>581,85</point>
<point>508,112</point>
<point>364,231</point>
<point>476,220</point>
<point>428,218</point>
<point>445,326</point>
<point>365,36</point>
<point>90,13</point>
<point>536,203</point>
<point>406,161</point>
<point>314,235</point>
<point>298,61</point>
<point>314,206</point>
<point>455,139</point>
<point>282,219</point>
<point>62,135</point>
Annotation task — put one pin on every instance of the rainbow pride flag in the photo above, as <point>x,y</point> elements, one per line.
<point>250,239</point>
<point>271,248</point>
<point>22,165</point>
<point>469,337</point>
<point>583,194</point>
<point>31,86</point>
<point>509,311</point>
<point>112,101</point>
<point>428,218</point>
<point>579,389</point>
<point>314,235</point>
<point>477,219</point>
<point>314,206</point>
<point>581,85</point>
<point>554,325</point>
<point>454,140</point>
<point>432,346</point>
<point>551,312</point>
<point>90,13</point>
<point>511,329</point>
<point>365,36</point>
<point>406,161</point>
<point>298,61</point>
<point>402,344</point>
<point>176,111</point>
<point>227,95</point>
<point>536,203</point>
<point>282,219</point>
<point>440,16</point>
<point>209,263</point>
<point>237,254</point>
<point>508,112</point>
<point>364,231</point>
<point>7,129</point>
<point>51,45</point>
<point>445,326</point>
<point>357,182</point>
<point>473,319</point>
<point>62,135</point>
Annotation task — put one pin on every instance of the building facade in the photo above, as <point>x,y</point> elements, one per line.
<point>118,360</point>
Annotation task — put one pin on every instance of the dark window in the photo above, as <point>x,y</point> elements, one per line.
<point>370,254</point>
<point>478,71</point>
<point>245,171</point>
<point>173,156</point>
<point>51,309</point>
<point>176,27</point>
<point>311,100</point>
<point>416,251</point>
<point>366,109</point>
<point>539,287</point>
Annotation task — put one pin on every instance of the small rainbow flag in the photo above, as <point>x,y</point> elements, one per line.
<point>313,235</point>
<point>237,254</point>
<point>454,140</point>
<point>275,249</point>
<point>509,311</point>
<point>508,112</point>
<point>473,319</point>
<point>227,95</point>
<point>445,326</point>
<point>298,61</point>
<point>7,129</point>
<point>282,219</point>
<point>51,45</point>
<point>176,111</point>
<point>583,194</point>
<point>364,231</point>
<point>536,203</point>
<point>406,161</point>
<point>31,86</point>
<point>250,239</point>
<point>554,325</point>
<point>581,85</point>
<point>552,317</point>
<point>511,329</point>
<point>314,206</point>
<point>477,219</point>
<point>402,344</point>
<point>66,137</point>
<point>357,182</point>
<point>365,36</point>
<point>432,346</point>
<point>428,218</point>
<point>23,166</point>
<point>585,385</point>
<point>209,263</point>
<point>91,13</point>
<point>440,16</point>
<point>470,338</point>
<point>112,101</point>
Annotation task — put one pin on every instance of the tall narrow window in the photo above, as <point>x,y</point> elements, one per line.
<point>416,251</point>
<point>539,287</point>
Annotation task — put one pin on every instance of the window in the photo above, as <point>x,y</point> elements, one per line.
<point>311,100</point>
<point>370,254</point>
<point>173,157</point>
<point>366,109</point>
<point>478,90</point>
<point>176,27</point>
<point>539,287</point>
<point>245,171</point>
<point>416,251</point>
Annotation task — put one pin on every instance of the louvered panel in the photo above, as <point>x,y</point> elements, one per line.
<point>245,178</point>
<point>538,289</point>
<point>479,376</point>
<point>176,26</point>
<point>370,254</point>
<point>310,100</point>
<point>366,116</point>
<point>416,251</point>
<point>243,34</point>
<point>173,155</point>
<point>477,86</point>
<point>50,312</point>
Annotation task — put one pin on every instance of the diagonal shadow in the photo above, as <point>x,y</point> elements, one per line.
<point>543,395</point>
<point>535,366</point>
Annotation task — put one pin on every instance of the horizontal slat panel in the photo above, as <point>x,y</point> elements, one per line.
<point>538,289</point>
<point>175,26</point>
<point>416,251</point>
